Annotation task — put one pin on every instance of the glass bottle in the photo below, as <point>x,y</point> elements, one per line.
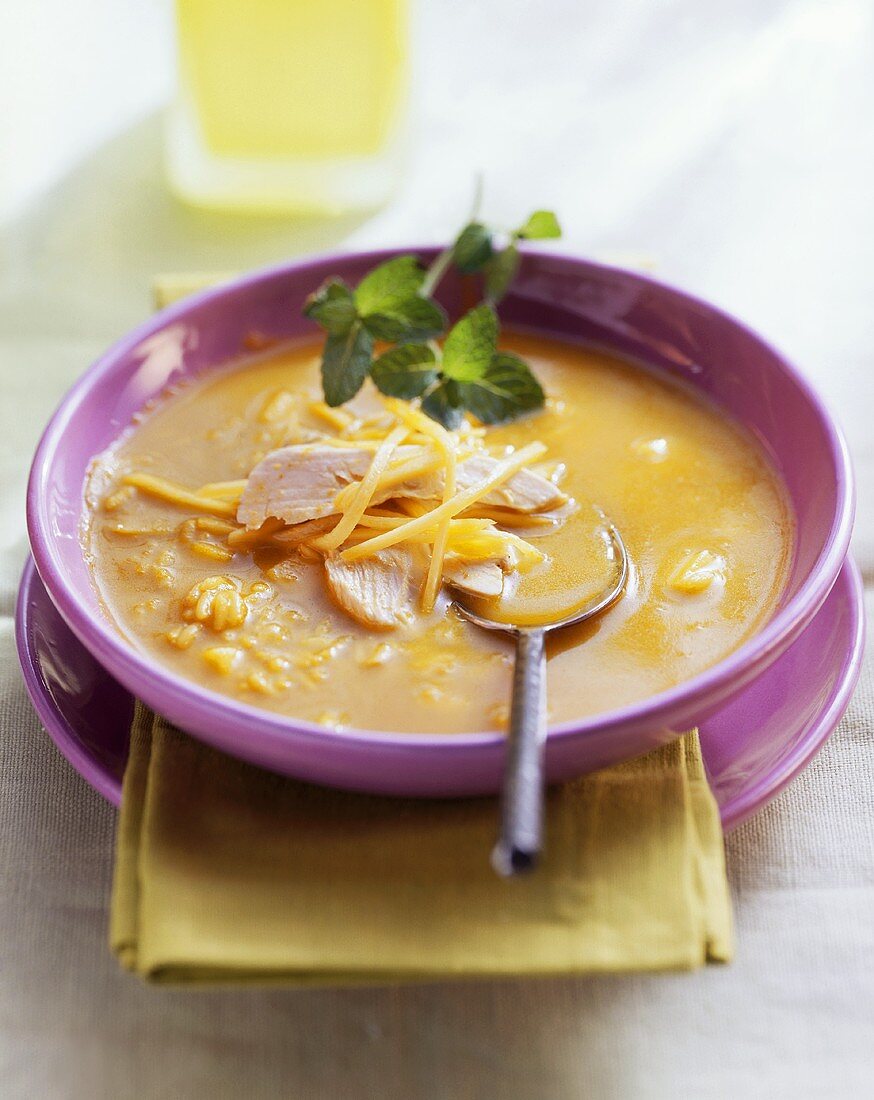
<point>288,105</point>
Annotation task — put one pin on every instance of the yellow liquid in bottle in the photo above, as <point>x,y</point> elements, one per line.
<point>278,98</point>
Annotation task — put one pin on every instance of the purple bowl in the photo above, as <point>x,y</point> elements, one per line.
<point>555,295</point>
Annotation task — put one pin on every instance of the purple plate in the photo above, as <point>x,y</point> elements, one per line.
<point>752,748</point>
<point>556,295</point>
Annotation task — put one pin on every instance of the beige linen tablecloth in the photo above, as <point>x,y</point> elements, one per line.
<point>730,141</point>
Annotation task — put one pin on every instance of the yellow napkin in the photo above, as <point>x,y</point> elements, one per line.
<point>226,873</point>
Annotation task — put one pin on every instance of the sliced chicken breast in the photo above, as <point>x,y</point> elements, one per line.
<point>526,491</point>
<point>298,483</point>
<point>480,578</point>
<point>378,591</point>
<point>301,482</point>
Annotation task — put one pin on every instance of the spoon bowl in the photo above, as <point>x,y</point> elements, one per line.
<point>521,836</point>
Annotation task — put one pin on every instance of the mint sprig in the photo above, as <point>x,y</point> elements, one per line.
<point>393,303</point>
<point>476,250</point>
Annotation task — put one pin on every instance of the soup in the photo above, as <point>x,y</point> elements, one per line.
<point>196,566</point>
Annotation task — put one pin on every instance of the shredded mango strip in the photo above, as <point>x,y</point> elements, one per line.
<point>378,510</point>
<point>369,435</point>
<point>412,506</point>
<point>389,523</point>
<point>353,443</point>
<point>179,495</point>
<point>214,526</point>
<point>381,523</point>
<point>336,418</point>
<point>210,550</point>
<point>501,473</point>
<point>361,534</point>
<point>446,444</point>
<point>378,422</point>
<point>242,539</point>
<point>406,470</point>
<point>364,492</point>
<point>475,547</point>
<point>366,435</point>
<point>528,553</point>
<point>226,490</point>
<point>493,545</point>
<point>424,538</point>
<point>400,471</point>
<point>135,532</point>
<point>417,437</point>
<point>299,533</point>
<point>415,466</point>
<point>506,517</point>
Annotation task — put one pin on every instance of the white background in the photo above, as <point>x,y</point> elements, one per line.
<point>732,144</point>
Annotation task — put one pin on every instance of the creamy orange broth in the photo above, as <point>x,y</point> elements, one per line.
<point>704,516</point>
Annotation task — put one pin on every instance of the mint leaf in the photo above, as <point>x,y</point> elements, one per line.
<point>500,272</point>
<point>506,389</point>
<point>407,319</point>
<point>393,303</point>
<point>541,226</point>
<point>332,306</point>
<point>472,248</point>
<point>444,404</point>
<point>395,281</point>
<point>406,371</point>
<point>470,345</point>
<point>345,363</point>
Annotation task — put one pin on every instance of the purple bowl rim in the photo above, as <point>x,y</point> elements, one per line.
<point>736,811</point>
<point>99,635</point>
<point>54,722</point>
<point>733,813</point>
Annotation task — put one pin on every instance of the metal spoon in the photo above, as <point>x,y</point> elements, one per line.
<point>520,839</point>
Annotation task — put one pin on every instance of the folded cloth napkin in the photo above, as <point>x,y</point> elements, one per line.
<point>226,873</point>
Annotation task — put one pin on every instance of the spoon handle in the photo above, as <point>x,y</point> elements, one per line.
<point>522,800</point>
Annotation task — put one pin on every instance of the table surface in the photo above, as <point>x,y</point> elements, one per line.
<point>732,145</point>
